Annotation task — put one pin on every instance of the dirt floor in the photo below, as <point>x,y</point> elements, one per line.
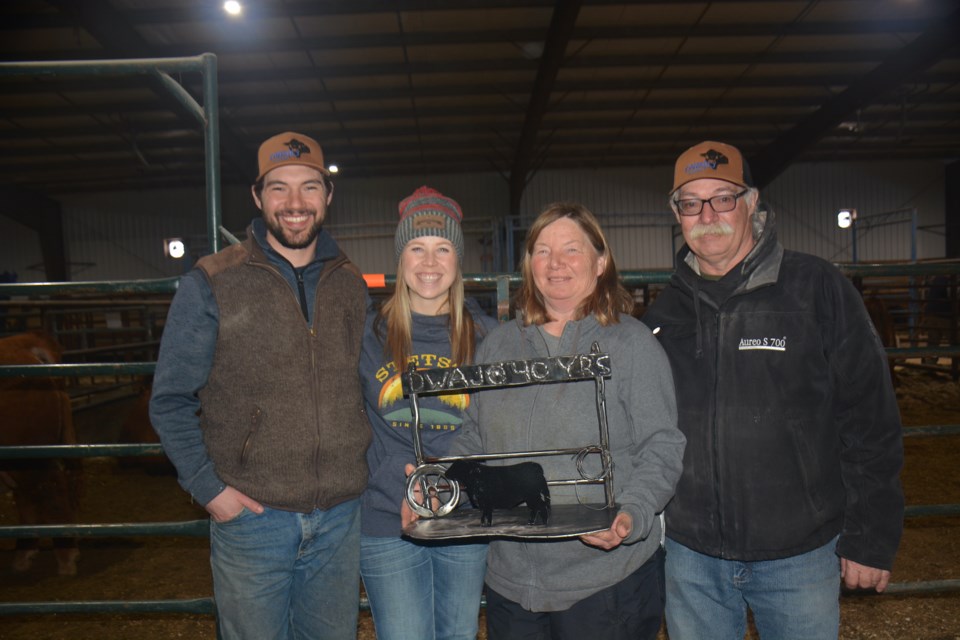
<point>177,568</point>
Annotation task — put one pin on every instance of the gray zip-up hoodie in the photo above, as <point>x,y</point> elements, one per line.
<point>646,445</point>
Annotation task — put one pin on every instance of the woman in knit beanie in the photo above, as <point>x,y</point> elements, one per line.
<point>418,591</point>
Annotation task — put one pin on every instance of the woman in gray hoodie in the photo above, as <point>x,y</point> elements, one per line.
<point>609,584</point>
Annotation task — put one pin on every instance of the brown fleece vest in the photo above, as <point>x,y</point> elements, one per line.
<point>282,414</point>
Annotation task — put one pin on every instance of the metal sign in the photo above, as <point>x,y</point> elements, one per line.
<point>509,373</point>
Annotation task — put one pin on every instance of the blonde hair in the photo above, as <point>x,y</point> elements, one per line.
<point>396,315</point>
<point>609,298</point>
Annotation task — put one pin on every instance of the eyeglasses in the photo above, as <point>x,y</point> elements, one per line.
<point>721,203</point>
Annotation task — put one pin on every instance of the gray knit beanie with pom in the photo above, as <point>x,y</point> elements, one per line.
<point>427,212</point>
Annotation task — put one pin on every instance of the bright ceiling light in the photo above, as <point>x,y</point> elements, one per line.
<point>333,168</point>
<point>233,7</point>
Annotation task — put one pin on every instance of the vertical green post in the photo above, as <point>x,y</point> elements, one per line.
<point>211,144</point>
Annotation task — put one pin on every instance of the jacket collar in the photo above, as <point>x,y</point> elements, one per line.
<point>761,267</point>
<point>530,336</point>
<point>326,249</point>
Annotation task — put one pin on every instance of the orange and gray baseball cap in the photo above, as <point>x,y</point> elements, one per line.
<point>290,148</point>
<point>711,160</point>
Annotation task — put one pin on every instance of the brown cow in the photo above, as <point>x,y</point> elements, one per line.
<point>36,411</point>
<point>136,429</point>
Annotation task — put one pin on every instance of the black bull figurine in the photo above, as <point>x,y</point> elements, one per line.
<point>503,487</point>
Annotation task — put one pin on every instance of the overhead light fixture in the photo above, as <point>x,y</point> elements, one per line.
<point>846,217</point>
<point>174,248</point>
<point>333,169</point>
<point>233,7</point>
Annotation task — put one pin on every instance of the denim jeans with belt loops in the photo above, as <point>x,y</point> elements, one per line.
<point>795,598</point>
<point>423,591</point>
<point>283,575</point>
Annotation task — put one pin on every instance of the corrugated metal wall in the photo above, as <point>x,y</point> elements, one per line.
<point>365,214</point>
<point>119,236</point>
<point>631,205</point>
<point>807,198</point>
<point>20,251</point>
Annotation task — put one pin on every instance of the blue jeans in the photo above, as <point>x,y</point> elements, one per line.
<point>284,575</point>
<point>796,598</point>
<point>423,591</point>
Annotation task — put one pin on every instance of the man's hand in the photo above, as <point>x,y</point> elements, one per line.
<point>858,576</point>
<point>229,503</point>
<point>612,537</point>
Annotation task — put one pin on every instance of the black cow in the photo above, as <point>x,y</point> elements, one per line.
<point>715,158</point>
<point>296,145</point>
<point>505,487</point>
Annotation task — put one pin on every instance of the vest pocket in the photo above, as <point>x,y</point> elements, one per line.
<point>255,418</point>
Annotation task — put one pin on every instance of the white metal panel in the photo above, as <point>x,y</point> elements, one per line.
<point>120,234</point>
<point>631,205</point>
<point>807,197</point>
<point>365,213</point>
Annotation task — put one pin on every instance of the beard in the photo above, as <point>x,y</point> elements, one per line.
<point>300,239</point>
<point>719,228</point>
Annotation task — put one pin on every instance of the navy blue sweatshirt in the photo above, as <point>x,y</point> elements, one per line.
<point>390,417</point>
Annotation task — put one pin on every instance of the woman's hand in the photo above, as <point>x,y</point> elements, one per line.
<point>612,537</point>
<point>407,516</point>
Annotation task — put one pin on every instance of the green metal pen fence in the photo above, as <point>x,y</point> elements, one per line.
<point>502,284</point>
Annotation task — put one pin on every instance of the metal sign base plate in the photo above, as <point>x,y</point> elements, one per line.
<point>566,521</point>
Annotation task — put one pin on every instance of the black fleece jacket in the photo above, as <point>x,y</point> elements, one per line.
<point>785,398</point>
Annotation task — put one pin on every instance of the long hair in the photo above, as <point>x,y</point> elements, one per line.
<point>394,323</point>
<point>609,298</point>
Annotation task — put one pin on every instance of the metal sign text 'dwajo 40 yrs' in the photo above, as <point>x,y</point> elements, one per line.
<point>435,497</point>
<point>507,374</point>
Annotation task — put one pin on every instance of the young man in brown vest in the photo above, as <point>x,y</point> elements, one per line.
<point>256,399</point>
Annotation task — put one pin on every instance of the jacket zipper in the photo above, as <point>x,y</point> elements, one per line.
<point>717,476</point>
<point>301,294</point>
<point>331,266</point>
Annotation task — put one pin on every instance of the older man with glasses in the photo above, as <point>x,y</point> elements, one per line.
<point>791,480</point>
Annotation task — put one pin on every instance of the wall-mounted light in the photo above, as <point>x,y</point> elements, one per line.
<point>333,168</point>
<point>233,7</point>
<point>845,218</point>
<point>174,248</point>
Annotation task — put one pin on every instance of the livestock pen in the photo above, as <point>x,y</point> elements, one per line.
<point>143,570</point>
<point>928,573</point>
